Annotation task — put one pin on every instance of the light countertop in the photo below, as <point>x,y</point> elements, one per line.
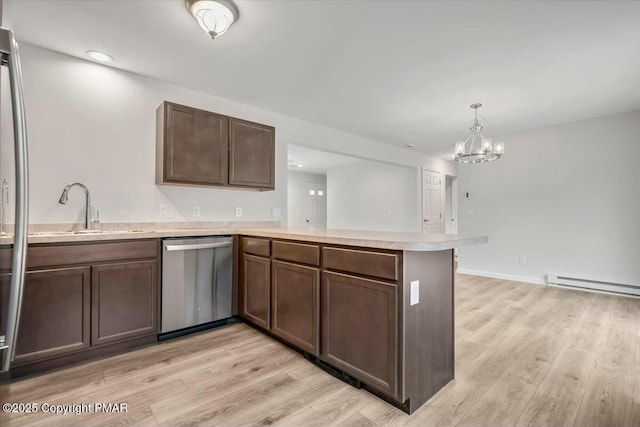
<point>371,239</point>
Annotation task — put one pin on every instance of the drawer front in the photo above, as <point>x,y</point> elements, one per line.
<point>375,264</point>
<point>296,252</point>
<point>255,246</point>
<point>89,253</point>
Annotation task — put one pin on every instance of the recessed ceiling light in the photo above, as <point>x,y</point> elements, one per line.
<point>300,165</point>
<point>96,55</point>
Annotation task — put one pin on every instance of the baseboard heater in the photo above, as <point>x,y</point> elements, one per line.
<point>572,282</point>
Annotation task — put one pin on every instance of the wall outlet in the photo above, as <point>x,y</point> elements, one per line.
<point>522,259</point>
<point>415,292</point>
<point>238,212</point>
<point>195,211</point>
<point>166,211</point>
<point>275,212</point>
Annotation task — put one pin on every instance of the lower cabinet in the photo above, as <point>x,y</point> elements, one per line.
<point>295,301</point>
<point>55,313</point>
<point>360,329</point>
<point>256,290</point>
<point>124,300</point>
<point>109,297</point>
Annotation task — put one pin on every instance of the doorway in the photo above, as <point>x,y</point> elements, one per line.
<point>315,205</point>
<point>431,202</point>
<point>451,204</point>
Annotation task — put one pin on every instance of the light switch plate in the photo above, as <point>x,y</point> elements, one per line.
<point>415,292</point>
<point>275,212</point>
<point>166,211</point>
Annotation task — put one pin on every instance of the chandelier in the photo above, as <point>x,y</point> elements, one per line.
<point>476,148</point>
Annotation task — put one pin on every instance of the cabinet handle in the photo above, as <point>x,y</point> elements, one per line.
<point>169,248</point>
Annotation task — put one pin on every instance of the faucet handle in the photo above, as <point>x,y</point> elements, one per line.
<point>96,220</point>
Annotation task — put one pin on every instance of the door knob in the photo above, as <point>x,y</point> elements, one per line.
<point>426,220</point>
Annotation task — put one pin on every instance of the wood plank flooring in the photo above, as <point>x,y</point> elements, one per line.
<point>526,355</point>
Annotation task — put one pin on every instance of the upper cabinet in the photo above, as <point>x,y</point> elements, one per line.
<point>251,154</point>
<point>196,147</point>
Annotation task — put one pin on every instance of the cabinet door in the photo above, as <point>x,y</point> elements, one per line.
<point>251,154</point>
<point>256,279</point>
<point>54,318</point>
<point>195,146</point>
<point>295,304</point>
<point>360,329</point>
<point>124,301</point>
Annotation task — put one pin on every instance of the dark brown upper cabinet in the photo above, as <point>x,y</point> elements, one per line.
<point>251,154</point>
<point>197,147</point>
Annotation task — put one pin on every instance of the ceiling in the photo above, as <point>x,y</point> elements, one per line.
<point>315,161</point>
<point>402,72</point>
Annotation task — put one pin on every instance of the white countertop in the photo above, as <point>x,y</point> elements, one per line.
<point>371,239</point>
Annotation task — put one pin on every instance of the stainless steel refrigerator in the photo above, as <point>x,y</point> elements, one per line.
<point>13,250</point>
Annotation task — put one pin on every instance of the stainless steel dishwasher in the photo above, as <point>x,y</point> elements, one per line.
<point>196,283</point>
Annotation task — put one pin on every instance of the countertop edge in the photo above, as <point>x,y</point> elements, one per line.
<point>383,242</point>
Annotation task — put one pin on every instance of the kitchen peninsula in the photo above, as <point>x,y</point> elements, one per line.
<point>373,308</point>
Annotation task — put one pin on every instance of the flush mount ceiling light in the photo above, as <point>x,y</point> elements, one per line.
<point>214,16</point>
<point>476,148</point>
<point>96,55</point>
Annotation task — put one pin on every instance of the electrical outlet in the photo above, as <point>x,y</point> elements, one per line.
<point>238,212</point>
<point>523,259</point>
<point>275,212</point>
<point>195,211</point>
<point>415,292</point>
<point>166,211</point>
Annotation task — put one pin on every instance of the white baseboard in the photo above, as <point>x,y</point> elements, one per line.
<point>523,279</point>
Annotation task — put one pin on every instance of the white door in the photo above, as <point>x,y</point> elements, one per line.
<point>315,211</point>
<point>431,203</point>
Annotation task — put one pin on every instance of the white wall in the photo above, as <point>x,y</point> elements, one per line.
<point>96,124</point>
<point>297,197</point>
<point>566,197</point>
<point>373,196</point>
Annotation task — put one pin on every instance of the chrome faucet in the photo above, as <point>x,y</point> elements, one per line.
<point>64,197</point>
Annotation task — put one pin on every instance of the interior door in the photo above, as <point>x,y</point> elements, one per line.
<point>315,211</point>
<point>431,202</point>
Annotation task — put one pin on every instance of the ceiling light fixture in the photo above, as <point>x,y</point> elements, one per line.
<point>96,55</point>
<point>476,148</point>
<point>214,16</point>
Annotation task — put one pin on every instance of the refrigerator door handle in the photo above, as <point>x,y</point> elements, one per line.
<point>11,58</point>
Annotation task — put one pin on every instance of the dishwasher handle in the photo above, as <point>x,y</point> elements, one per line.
<point>169,248</point>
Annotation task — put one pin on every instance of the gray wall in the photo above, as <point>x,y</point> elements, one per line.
<point>567,197</point>
<point>373,196</point>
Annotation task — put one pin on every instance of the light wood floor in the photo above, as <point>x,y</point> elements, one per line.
<point>526,355</point>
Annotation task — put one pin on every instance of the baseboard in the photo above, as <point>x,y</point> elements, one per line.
<point>522,279</point>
